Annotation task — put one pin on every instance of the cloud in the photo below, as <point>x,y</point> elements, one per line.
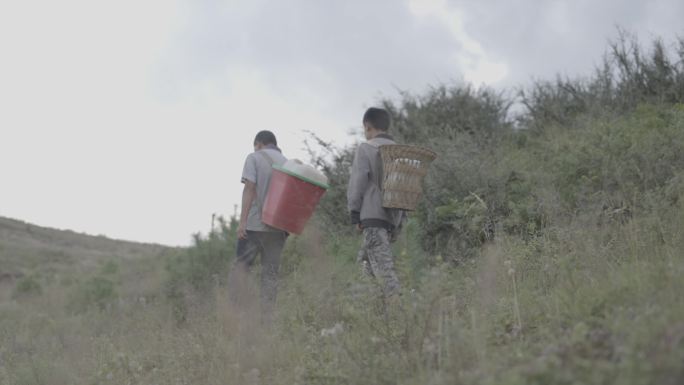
<point>341,50</point>
<point>472,60</point>
<point>540,39</point>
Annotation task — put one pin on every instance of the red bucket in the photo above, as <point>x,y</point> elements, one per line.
<point>291,200</point>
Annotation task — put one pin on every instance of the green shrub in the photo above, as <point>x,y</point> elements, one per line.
<point>26,287</point>
<point>336,164</point>
<point>95,293</point>
<point>110,268</point>
<point>627,78</point>
<point>202,266</point>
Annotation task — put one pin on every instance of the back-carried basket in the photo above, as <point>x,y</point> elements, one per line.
<point>404,168</point>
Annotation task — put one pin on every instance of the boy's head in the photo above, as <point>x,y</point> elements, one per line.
<point>263,139</point>
<point>375,121</point>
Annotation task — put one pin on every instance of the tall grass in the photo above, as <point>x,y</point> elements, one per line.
<point>580,303</point>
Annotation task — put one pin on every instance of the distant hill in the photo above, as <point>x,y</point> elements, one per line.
<point>25,248</point>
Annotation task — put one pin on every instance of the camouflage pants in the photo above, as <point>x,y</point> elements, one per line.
<point>377,261</point>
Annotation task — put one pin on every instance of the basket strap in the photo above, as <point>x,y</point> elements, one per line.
<point>374,143</point>
<point>270,161</point>
<point>382,168</point>
<point>265,155</point>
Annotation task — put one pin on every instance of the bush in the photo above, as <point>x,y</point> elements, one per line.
<point>611,163</point>
<point>110,268</point>
<point>206,262</point>
<point>336,164</point>
<point>26,287</point>
<point>95,293</point>
<point>202,266</point>
<point>627,78</point>
<point>445,113</point>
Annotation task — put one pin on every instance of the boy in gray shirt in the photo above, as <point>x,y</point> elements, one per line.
<point>364,199</point>
<point>254,236</point>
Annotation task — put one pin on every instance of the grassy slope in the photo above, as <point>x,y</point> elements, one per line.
<point>24,246</point>
<point>45,256</point>
<point>49,280</point>
<point>578,305</point>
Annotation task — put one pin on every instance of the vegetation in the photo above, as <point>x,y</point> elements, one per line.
<point>547,251</point>
<point>27,286</point>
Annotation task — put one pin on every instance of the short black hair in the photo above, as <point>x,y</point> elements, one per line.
<point>265,137</point>
<point>378,118</point>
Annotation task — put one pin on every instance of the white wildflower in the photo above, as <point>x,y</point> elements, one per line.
<point>333,331</point>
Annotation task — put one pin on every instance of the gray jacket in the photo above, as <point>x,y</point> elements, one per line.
<point>364,193</point>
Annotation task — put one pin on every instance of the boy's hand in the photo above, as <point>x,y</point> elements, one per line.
<point>394,235</point>
<point>242,231</point>
<point>359,228</point>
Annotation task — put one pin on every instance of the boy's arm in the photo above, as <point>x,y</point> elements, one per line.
<point>358,182</point>
<point>248,196</point>
<point>249,178</point>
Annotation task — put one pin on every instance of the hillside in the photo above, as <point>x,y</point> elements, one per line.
<point>27,249</point>
<point>27,246</point>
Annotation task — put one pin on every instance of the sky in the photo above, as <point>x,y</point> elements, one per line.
<point>132,118</point>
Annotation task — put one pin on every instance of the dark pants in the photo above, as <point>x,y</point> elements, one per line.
<point>269,245</point>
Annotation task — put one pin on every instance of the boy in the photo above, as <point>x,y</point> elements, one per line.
<point>255,237</point>
<point>380,226</point>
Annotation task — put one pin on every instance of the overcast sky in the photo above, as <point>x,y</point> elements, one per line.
<point>132,118</point>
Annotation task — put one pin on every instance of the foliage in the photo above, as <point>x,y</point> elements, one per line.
<point>110,268</point>
<point>27,286</point>
<point>627,78</point>
<point>201,267</point>
<point>207,259</point>
<point>445,113</point>
<point>577,303</point>
<point>95,293</point>
<point>336,164</point>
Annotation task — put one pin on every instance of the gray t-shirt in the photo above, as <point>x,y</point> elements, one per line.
<point>258,170</point>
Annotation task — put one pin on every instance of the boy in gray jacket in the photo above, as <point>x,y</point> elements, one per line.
<point>380,225</point>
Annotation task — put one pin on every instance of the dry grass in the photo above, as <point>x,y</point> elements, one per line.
<point>582,303</point>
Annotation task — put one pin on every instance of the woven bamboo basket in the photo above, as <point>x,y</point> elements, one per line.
<point>404,168</point>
